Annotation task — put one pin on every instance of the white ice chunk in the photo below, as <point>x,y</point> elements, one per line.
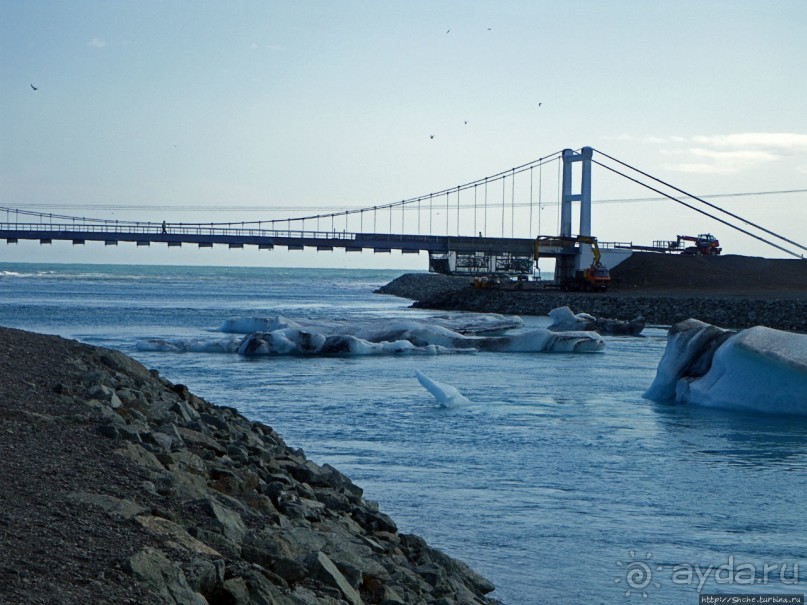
<point>445,394</point>
<point>373,329</point>
<point>564,320</point>
<point>477,323</point>
<point>248,325</point>
<point>190,345</point>
<point>758,369</point>
<point>280,335</point>
<point>299,342</point>
<point>541,340</point>
<point>690,347</point>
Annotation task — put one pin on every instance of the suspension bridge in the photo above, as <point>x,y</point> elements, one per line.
<point>470,228</point>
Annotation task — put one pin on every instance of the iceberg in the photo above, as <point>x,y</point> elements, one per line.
<point>477,323</point>
<point>446,334</point>
<point>462,323</point>
<point>407,339</point>
<point>756,370</point>
<point>564,320</point>
<point>450,333</point>
<point>541,340</point>
<point>291,341</point>
<point>248,325</point>
<point>445,394</point>
<point>190,345</point>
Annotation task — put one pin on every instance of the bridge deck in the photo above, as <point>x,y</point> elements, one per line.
<point>267,239</point>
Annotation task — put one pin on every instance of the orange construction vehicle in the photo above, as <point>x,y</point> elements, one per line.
<point>706,244</point>
<point>595,277</point>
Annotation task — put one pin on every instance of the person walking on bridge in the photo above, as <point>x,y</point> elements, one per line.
<point>165,230</point>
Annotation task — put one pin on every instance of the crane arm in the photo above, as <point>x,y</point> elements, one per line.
<point>595,249</point>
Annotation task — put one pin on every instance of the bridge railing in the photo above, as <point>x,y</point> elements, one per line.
<point>612,245</point>
<point>122,228</point>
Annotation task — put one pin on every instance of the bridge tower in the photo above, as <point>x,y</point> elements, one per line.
<point>567,265</point>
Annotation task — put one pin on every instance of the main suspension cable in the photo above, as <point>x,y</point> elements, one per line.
<point>690,206</point>
<point>695,197</point>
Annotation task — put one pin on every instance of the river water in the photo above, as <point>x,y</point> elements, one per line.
<point>558,482</point>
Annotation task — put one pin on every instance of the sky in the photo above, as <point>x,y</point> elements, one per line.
<point>256,110</point>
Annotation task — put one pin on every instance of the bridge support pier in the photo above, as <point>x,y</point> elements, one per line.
<point>566,266</point>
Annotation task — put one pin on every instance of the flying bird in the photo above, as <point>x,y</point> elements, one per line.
<point>34,87</point>
<point>431,136</point>
<point>539,104</point>
<point>448,31</point>
<point>466,121</point>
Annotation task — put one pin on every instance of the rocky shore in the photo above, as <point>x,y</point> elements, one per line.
<point>727,291</point>
<point>117,486</point>
<point>726,312</point>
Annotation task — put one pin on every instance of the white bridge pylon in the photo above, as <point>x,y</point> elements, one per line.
<point>584,197</point>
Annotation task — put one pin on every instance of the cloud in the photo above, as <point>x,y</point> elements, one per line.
<point>732,153</point>
<point>97,43</point>
<point>702,168</point>
<point>648,140</point>
<point>734,156</point>
<point>783,141</point>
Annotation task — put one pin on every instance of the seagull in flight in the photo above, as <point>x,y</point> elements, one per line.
<point>431,136</point>
<point>34,87</point>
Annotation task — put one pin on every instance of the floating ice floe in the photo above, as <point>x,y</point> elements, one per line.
<point>469,333</point>
<point>477,323</point>
<point>445,394</point>
<point>564,320</point>
<point>759,369</point>
<point>191,345</point>
<point>369,329</point>
<point>407,338</point>
<point>248,325</point>
<point>292,341</point>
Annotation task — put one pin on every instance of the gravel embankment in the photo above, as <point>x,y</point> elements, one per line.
<point>730,312</point>
<point>117,486</point>
<point>728,291</point>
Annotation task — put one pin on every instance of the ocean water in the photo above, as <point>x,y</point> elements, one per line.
<point>558,481</point>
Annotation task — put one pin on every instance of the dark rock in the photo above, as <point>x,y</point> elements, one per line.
<point>214,421</point>
<point>373,520</point>
<point>108,430</point>
<point>165,578</point>
<point>323,569</point>
<point>205,575</point>
<point>226,521</point>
